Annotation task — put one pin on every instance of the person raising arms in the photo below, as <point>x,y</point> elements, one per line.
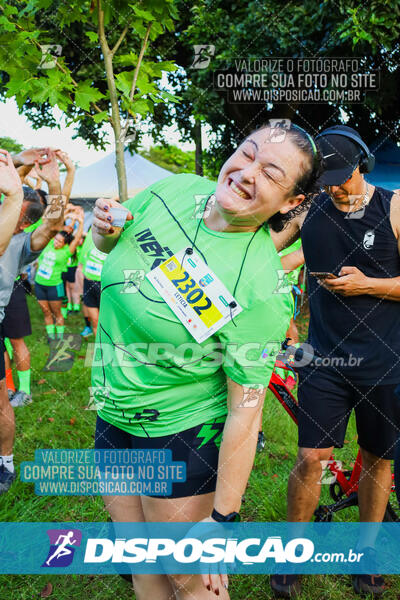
<point>22,249</point>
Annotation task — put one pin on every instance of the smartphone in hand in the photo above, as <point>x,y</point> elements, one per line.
<point>323,275</point>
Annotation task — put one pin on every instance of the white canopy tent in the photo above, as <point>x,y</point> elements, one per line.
<point>100,179</point>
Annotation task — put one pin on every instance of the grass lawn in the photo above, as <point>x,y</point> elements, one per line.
<point>57,419</point>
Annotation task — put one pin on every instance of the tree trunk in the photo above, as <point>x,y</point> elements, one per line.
<point>116,118</point>
<point>121,170</point>
<point>199,149</point>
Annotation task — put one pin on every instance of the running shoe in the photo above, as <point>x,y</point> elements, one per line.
<point>286,586</point>
<point>6,478</point>
<point>369,584</point>
<point>21,398</point>
<point>10,394</point>
<point>260,441</point>
<point>87,331</point>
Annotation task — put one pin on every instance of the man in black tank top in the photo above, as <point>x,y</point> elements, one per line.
<point>352,230</point>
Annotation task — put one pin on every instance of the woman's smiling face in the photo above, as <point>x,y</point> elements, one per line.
<point>59,241</point>
<point>258,180</point>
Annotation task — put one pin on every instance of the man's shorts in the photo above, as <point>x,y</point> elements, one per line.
<point>326,401</point>
<point>17,322</point>
<point>193,446</point>
<point>2,349</point>
<point>50,293</point>
<point>91,293</point>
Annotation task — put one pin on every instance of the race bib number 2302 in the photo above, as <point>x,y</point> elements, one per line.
<point>194,293</point>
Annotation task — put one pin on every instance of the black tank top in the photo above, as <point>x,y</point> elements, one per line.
<point>365,327</point>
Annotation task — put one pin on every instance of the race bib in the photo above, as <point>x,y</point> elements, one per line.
<point>45,272</point>
<point>94,268</point>
<point>45,269</point>
<point>195,294</point>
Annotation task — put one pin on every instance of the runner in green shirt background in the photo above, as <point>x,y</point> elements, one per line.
<point>73,287</point>
<point>92,265</point>
<point>49,286</point>
<point>73,292</point>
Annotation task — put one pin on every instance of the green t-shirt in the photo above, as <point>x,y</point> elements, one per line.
<point>52,263</point>
<point>34,226</point>
<point>76,259</point>
<point>182,388</point>
<point>92,259</point>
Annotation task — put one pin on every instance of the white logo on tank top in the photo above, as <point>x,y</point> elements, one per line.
<point>369,239</point>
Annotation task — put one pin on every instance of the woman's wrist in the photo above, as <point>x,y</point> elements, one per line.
<point>225,516</point>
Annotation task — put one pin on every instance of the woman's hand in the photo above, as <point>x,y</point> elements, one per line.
<point>102,218</point>
<point>49,171</point>
<point>214,582</point>
<point>65,159</point>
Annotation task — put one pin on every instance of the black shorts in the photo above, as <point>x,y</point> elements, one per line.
<point>17,321</point>
<point>198,453</point>
<point>2,349</point>
<point>49,292</point>
<point>70,274</point>
<point>326,400</point>
<point>91,293</point>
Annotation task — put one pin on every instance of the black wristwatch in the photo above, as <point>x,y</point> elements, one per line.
<point>233,517</point>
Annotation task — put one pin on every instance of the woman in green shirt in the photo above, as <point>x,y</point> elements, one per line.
<point>49,286</point>
<point>172,367</point>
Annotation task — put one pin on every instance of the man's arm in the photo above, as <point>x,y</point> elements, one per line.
<point>11,187</point>
<point>290,234</point>
<point>293,260</point>
<point>53,217</point>
<point>352,282</point>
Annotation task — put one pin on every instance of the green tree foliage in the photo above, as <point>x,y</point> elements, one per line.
<point>7,143</point>
<point>100,68</point>
<point>238,29</point>
<point>171,157</point>
<point>301,29</point>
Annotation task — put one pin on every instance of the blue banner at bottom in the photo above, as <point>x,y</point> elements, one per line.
<point>248,548</point>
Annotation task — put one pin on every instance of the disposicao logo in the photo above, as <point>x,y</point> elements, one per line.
<point>191,550</point>
<point>63,543</point>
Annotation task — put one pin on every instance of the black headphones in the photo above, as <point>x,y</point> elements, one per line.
<point>367,162</point>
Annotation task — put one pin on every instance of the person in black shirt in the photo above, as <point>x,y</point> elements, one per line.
<point>352,231</point>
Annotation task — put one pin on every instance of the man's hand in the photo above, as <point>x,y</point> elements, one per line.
<point>49,171</point>
<point>32,156</point>
<point>10,182</point>
<point>351,282</point>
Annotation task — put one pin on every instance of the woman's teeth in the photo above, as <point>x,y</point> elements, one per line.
<point>239,191</point>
